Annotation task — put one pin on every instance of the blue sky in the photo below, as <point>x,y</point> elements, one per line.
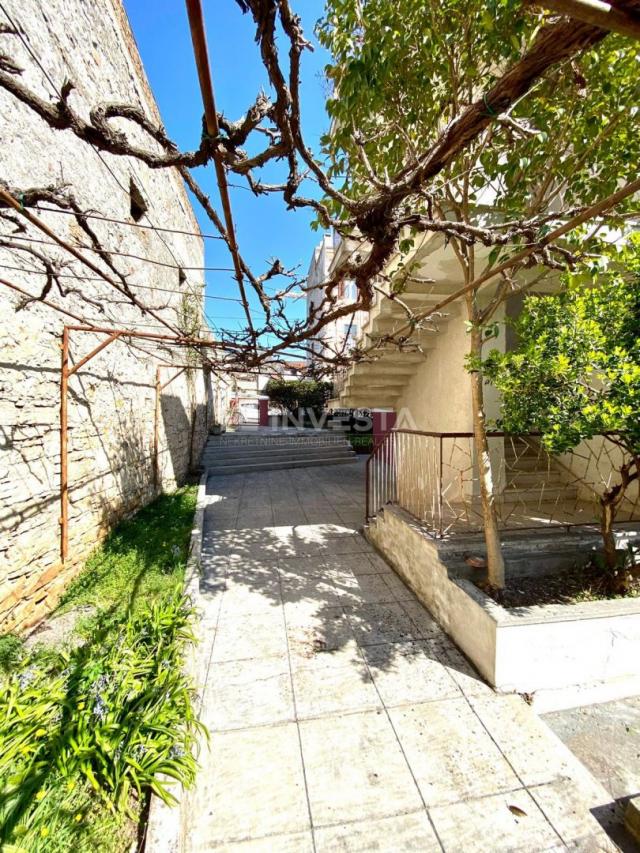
<point>265,228</point>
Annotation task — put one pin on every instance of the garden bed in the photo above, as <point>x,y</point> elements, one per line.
<point>570,586</point>
<point>555,653</point>
<point>95,710</point>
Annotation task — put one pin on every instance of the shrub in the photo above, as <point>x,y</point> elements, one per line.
<point>112,715</point>
<point>299,394</point>
<point>86,733</point>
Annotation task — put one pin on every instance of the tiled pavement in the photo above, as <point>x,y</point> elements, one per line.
<point>341,717</point>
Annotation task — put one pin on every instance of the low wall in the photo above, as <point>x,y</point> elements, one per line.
<point>524,650</point>
<point>460,608</point>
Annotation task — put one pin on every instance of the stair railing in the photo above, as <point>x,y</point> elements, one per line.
<point>405,468</point>
<point>434,477</point>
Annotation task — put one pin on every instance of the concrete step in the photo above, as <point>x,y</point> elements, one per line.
<point>263,454</point>
<point>239,468</point>
<point>248,440</point>
<point>532,479</point>
<point>540,492</point>
<point>525,553</point>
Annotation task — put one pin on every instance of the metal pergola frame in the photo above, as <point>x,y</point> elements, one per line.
<point>67,371</point>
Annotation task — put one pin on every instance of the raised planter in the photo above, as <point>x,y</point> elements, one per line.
<point>560,655</point>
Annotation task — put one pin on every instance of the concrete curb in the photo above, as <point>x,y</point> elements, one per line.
<point>164,825</point>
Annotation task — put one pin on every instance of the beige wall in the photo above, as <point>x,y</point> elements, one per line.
<point>438,395</point>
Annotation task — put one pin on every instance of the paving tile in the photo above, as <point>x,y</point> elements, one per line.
<point>570,809</point>
<point>364,589</point>
<point>330,567</point>
<point>243,600</point>
<point>296,587</point>
<point>503,823</point>
<point>368,564</point>
<point>461,670</point>
<point>404,673</point>
<point>376,560</point>
<point>425,624</point>
<point>399,588</point>
<point>353,544</point>
<point>293,591</point>
<point>297,842</point>
<point>451,755</point>
<point>347,654</point>
<point>355,769</point>
<point>333,689</point>
<point>236,797</point>
<point>400,834</point>
<point>248,693</point>
<point>246,636</point>
<point>325,629</point>
<point>533,751</point>
<point>381,623</point>
<point>320,532</point>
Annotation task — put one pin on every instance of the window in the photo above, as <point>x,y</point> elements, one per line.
<point>349,291</point>
<point>138,206</point>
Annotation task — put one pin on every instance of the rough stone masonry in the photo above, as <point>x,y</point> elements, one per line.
<point>112,398</point>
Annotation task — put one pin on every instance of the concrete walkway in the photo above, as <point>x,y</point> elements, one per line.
<point>341,717</point>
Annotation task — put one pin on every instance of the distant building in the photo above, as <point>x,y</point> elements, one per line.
<point>341,335</point>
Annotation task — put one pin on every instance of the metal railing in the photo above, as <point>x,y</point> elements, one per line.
<point>434,476</point>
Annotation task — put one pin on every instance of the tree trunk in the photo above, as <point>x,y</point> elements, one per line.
<point>495,560</point>
<point>606,529</point>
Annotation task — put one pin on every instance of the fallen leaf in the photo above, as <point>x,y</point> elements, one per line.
<point>516,810</point>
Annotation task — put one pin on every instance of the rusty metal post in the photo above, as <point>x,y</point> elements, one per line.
<point>65,373</point>
<point>156,435</point>
<point>64,482</point>
<point>440,486</point>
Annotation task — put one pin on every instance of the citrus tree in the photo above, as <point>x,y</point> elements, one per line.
<point>575,375</point>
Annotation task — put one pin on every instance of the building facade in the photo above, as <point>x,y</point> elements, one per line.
<point>341,335</point>
<point>113,404</point>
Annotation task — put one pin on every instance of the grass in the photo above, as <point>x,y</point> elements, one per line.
<point>87,729</point>
<point>139,560</point>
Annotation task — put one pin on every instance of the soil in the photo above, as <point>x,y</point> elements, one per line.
<point>572,586</point>
<point>58,630</point>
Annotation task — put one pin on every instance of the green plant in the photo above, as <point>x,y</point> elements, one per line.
<point>115,715</point>
<point>140,559</point>
<point>87,732</point>
<point>301,393</point>
<point>361,443</point>
<point>11,651</point>
<point>574,375</point>
<point>68,816</point>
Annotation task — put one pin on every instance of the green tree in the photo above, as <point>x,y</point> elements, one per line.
<point>575,375</point>
<point>289,396</point>
<point>403,73</point>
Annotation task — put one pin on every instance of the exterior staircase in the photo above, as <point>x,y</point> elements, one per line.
<point>532,475</point>
<point>271,450</point>
<point>382,382</point>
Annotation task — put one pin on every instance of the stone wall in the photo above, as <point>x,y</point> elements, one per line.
<point>112,398</point>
